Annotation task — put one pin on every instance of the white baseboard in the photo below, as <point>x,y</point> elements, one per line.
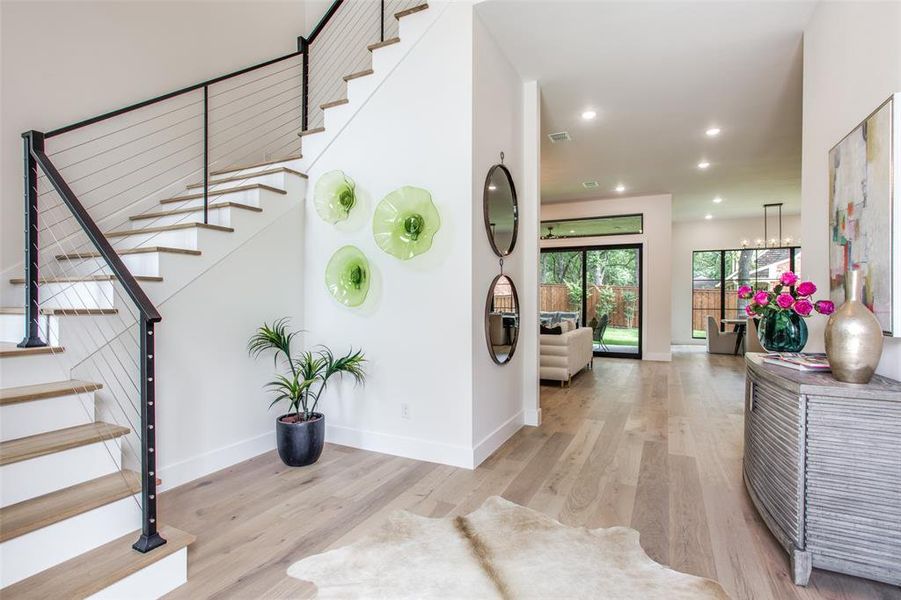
<point>419,449</point>
<point>658,356</point>
<point>531,417</point>
<point>496,438</point>
<point>209,462</point>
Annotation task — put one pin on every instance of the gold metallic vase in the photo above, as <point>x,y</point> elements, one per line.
<point>853,336</point>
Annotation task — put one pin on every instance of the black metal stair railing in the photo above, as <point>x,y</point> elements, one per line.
<point>84,180</point>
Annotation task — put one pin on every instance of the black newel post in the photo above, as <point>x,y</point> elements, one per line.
<point>32,140</point>
<point>150,537</point>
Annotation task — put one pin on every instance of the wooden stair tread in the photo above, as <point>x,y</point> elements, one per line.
<point>161,228</point>
<point>82,278</point>
<point>97,569</point>
<point>62,312</point>
<point>35,513</point>
<point>9,349</point>
<point>388,42</point>
<point>143,250</point>
<point>216,193</point>
<point>311,131</point>
<point>42,444</point>
<point>358,74</point>
<point>250,175</point>
<point>334,103</point>
<point>41,391</point>
<point>243,167</point>
<point>410,11</point>
<point>181,211</point>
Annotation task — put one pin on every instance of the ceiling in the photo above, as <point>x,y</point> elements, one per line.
<point>659,74</point>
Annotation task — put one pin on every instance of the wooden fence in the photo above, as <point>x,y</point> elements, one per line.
<point>555,297</point>
<point>708,302</point>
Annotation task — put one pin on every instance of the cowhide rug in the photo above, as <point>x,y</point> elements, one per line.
<point>501,550</point>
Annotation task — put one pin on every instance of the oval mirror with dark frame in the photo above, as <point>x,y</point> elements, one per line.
<point>501,210</point>
<point>502,319</point>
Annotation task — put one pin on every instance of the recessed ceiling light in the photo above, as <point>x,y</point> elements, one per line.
<point>590,185</point>
<point>588,115</point>
<point>491,187</point>
<point>620,188</point>
<point>713,132</point>
<point>703,165</point>
<point>716,200</point>
<point>708,216</point>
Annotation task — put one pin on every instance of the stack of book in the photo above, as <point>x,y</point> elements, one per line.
<point>799,361</point>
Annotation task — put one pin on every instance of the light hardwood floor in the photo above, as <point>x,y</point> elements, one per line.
<point>653,446</point>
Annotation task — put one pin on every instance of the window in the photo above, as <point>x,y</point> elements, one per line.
<point>591,227</point>
<point>716,276</point>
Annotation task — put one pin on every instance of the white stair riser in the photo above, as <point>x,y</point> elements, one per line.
<point>413,26</point>
<point>77,294</point>
<point>137,264</point>
<point>291,164</point>
<point>338,116</point>
<point>40,416</point>
<point>33,369</point>
<point>217,216</point>
<point>276,180</point>
<point>249,197</point>
<point>12,329</point>
<point>176,238</point>
<point>38,476</point>
<point>359,89</point>
<point>388,56</point>
<point>33,552</point>
<point>152,582</point>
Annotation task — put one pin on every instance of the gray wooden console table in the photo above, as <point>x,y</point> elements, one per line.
<point>822,464</point>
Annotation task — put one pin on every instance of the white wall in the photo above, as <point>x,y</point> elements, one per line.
<point>211,401</point>
<point>66,61</point>
<point>415,326</point>
<point>852,63</point>
<point>529,231</point>
<point>715,234</point>
<point>497,124</point>
<point>657,240</point>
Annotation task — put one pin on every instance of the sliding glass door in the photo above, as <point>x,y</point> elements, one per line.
<point>601,287</point>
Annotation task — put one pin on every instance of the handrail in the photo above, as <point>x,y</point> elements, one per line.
<point>191,88</point>
<point>324,20</point>
<point>143,103</point>
<point>113,260</point>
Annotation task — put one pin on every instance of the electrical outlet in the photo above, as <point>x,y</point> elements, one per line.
<point>405,411</point>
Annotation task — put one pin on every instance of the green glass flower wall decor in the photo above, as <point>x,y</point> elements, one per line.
<point>335,196</point>
<point>347,276</point>
<point>405,222</point>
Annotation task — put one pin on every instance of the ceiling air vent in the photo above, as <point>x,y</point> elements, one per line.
<point>560,136</point>
<point>589,185</point>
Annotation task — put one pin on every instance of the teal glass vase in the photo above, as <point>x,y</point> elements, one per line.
<point>783,331</point>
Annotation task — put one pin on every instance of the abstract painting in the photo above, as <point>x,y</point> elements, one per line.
<point>863,212</point>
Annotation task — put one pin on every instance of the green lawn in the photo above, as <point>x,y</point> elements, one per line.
<point>699,333</point>
<point>621,336</point>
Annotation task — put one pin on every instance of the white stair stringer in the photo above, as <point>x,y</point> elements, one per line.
<point>384,60</point>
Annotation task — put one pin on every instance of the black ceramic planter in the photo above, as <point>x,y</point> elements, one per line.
<point>300,444</point>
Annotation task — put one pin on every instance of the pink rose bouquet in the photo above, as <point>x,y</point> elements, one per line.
<point>787,295</point>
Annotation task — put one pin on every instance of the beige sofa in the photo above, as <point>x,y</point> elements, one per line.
<point>564,355</point>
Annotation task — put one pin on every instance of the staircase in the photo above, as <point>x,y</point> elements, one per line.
<point>77,463</point>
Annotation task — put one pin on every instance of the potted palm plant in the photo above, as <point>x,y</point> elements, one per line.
<point>300,433</point>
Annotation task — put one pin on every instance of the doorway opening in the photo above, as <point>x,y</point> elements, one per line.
<point>600,286</point>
